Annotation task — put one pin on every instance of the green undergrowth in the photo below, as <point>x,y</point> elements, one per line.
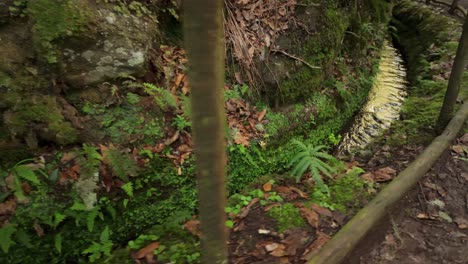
<point>429,41</point>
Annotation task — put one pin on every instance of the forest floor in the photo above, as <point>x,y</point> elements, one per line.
<point>430,225</point>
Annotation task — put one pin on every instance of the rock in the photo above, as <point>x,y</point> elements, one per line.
<point>117,46</point>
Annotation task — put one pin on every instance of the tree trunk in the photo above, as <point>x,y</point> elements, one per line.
<point>455,78</point>
<point>453,7</point>
<point>336,250</point>
<point>204,41</point>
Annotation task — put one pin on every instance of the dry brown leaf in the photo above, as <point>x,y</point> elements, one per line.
<point>298,191</point>
<point>462,223</point>
<point>193,226</point>
<point>8,207</point>
<point>368,177</point>
<point>320,210</point>
<point>321,239</point>
<point>271,246</point>
<point>464,138</point>
<point>172,139</point>
<point>384,174</point>
<point>39,230</point>
<point>423,216</point>
<point>261,115</point>
<point>142,253</point>
<point>268,208</point>
<point>241,140</point>
<point>245,211</point>
<point>458,149</point>
<point>68,156</point>
<point>267,186</point>
<point>312,217</point>
<point>279,251</point>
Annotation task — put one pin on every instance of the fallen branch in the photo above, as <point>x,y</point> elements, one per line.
<point>459,8</point>
<point>295,58</point>
<point>347,238</point>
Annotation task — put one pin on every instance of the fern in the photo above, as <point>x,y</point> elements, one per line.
<point>98,249</point>
<point>313,159</point>
<point>128,188</point>
<point>163,98</point>
<point>5,237</point>
<point>122,165</point>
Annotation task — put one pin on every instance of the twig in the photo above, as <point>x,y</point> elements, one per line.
<point>295,58</point>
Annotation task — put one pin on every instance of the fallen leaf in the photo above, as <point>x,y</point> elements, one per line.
<point>245,211</point>
<point>193,226</point>
<point>272,246</point>
<point>39,230</point>
<point>464,138</point>
<point>321,239</point>
<point>172,139</point>
<point>68,156</point>
<point>320,210</point>
<point>267,186</point>
<point>268,208</point>
<point>423,216</point>
<point>312,217</point>
<point>294,241</point>
<point>384,174</point>
<point>368,177</point>
<point>279,251</point>
<point>298,191</point>
<point>8,207</point>
<point>147,250</point>
<point>457,149</point>
<point>462,223</point>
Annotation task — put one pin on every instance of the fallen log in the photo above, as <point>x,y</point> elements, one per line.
<point>348,237</point>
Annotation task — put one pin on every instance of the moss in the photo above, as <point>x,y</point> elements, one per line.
<point>40,109</point>
<point>429,42</point>
<point>345,193</point>
<point>54,20</point>
<point>287,216</point>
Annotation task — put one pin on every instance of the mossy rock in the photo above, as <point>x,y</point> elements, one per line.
<point>39,117</point>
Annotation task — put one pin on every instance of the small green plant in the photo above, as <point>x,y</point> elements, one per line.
<point>98,249</point>
<point>333,139</point>
<point>181,123</point>
<point>310,158</point>
<point>163,98</point>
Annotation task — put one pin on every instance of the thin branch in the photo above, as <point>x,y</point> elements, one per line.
<point>295,58</point>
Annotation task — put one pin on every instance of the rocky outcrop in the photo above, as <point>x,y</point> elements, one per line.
<point>49,46</point>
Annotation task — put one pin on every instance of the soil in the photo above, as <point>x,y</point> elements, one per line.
<point>430,225</point>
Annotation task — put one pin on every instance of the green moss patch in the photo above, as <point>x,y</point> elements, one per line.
<point>54,20</point>
<point>287,216</point>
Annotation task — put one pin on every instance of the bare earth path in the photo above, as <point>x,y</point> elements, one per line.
<point>431,224</point>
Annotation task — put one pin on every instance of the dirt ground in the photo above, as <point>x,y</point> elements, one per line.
<point>431,224</point>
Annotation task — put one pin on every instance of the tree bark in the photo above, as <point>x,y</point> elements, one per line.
<point>204,41</point>
<point>336,250</point>
<point>456,75</point>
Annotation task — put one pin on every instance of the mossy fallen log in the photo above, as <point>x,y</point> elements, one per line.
<point>348,237</point>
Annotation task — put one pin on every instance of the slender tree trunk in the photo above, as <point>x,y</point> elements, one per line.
<point>454,82</point>
<point>453,7</point>
<point>204,41</point>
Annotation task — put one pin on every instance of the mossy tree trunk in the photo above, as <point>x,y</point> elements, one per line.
<point>453,7</point>
<point>204,41</point>
<point>455,78</point>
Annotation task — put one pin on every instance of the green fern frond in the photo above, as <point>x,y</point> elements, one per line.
<point>313,159</point>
